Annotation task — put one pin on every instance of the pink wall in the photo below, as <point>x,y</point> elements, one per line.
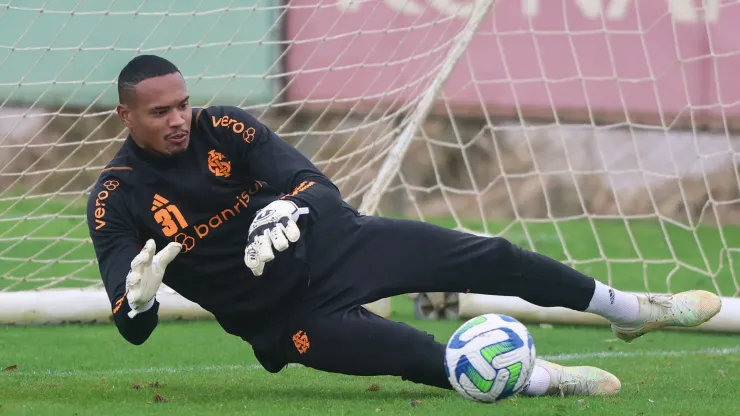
<point>723,67</point>
<point>638,58</point>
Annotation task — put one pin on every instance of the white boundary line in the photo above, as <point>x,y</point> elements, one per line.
<point>255,367</point>
<point>646,353</point>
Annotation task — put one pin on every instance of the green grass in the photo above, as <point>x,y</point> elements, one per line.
<point>200,370</point>
<point>44,239</point>
<point>603,249</point>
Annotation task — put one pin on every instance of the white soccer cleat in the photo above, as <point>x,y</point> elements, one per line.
<point>685,309</point>
<point>579,381</point>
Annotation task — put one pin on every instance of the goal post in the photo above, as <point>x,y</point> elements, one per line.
<point>57,95</point>
<point>468,305</point>
<point>602,134</point>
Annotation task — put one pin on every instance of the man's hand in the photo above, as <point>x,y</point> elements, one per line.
<point>146,274</point>
<point>273,226</point>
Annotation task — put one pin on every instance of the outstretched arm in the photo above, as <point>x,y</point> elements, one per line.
<point>131,275</point>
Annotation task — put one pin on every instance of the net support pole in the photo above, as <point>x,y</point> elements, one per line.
<point>393,161</point>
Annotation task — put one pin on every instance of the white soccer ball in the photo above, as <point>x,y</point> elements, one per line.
<point>489,358</point>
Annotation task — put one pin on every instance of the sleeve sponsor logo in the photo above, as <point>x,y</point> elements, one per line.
<point>100,204</point>
<point>247,133</point>
<point>111,185</point>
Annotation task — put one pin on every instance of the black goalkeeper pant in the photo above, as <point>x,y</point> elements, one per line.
<point>329,330</point>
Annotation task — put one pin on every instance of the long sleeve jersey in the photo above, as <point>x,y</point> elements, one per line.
<point>205,198</point>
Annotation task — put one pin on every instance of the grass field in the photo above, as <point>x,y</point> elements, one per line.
<point>199,370</point>
<point>195,369</point>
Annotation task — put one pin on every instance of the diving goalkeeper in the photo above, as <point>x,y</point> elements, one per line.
<point>213,204</point>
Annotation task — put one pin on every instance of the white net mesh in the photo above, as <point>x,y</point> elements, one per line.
<point>600,133</point>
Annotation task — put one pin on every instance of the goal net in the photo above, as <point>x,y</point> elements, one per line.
<point>600,133</point>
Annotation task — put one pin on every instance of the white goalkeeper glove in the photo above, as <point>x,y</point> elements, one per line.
<point>273,226</point>
<point>146,274</point>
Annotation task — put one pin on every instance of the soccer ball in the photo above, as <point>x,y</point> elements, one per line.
<point>489,358</point>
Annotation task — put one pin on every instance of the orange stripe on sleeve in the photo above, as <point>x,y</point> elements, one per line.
<point>116,168</point>
<point>300,188</point>
<point>119,302</point>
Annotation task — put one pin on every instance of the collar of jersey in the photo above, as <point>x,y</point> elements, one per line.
<point>151,157</point>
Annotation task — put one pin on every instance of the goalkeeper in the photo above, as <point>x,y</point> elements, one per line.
<point>213,204</point>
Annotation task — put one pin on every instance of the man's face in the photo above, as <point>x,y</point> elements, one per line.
<point>158,114</point>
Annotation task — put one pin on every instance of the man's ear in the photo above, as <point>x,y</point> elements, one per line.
<point>124,113</point>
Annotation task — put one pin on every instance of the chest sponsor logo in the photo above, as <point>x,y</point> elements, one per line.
<point>175,225</point>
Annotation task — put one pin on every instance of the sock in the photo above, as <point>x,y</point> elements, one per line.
<point>612,304</point>
<point>538,383</point>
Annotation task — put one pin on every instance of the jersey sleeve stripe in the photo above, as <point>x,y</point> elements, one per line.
<point>119,302</point>
<point>300,188</point>
<point>116,168</point>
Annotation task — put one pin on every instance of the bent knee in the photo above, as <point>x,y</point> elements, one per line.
<point>270,362</point>
<point>500,244</point>
<point>502,248</point>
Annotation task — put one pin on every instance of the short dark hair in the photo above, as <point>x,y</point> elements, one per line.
<point>138,69</point>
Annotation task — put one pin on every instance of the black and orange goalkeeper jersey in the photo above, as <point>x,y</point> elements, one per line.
<point>205,198</point>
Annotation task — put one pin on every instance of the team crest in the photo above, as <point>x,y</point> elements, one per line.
<point>218,164</point>
<point>300,340</point>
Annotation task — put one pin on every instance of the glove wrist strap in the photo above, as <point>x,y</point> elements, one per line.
<point>135,311</point>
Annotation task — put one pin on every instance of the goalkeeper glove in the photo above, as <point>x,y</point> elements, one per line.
<point>146,274</point>
<point>273,226</point>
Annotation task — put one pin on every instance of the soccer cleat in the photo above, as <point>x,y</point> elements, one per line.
<point>685,309</point>
<point>579,381</point>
